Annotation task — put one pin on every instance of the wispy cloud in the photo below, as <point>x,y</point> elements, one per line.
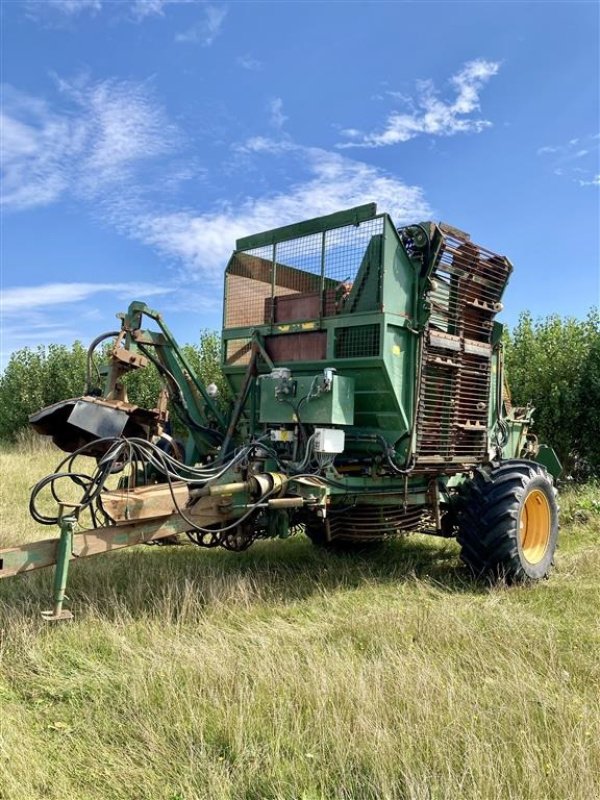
<point>207,28</point>
<point>141,9</point>
<point>27,298</point>
<point>594,181</point>
<point>96,154</point>
<point>53,312</point>
<point>69,10</point>
<point>428,114</point>
<point>249,62</point>
<point>103,132</point>
<point>38,9</point>
<point>203,242</point>
<point>576,159</point>
<point>277,117</point>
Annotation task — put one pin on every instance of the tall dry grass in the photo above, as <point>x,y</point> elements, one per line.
<point>286,672</point>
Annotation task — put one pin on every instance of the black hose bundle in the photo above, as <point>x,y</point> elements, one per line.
<point>144,458</point>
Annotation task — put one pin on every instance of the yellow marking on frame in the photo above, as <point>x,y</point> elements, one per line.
<point>396,350</point>
<point>307,326</point>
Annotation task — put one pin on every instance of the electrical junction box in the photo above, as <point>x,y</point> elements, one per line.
<point>294,400</point>
<point>329,440</point>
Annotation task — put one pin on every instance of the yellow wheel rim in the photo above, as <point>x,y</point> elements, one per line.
<point>535,526</point>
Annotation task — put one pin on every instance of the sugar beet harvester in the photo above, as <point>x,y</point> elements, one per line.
<point>369,400</point>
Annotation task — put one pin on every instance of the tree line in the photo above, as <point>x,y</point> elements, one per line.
<point>552,363</point>
<point>35,378</point>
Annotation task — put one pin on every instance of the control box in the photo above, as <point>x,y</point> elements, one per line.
<point>312,399</point>
<point>329,440</point>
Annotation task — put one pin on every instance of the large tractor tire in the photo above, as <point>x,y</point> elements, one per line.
<point>508,522</point>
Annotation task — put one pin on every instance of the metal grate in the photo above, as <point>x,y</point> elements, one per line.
<point>248,284</point>
<point>306,278</point>
<point>298,280</point>
<point>353,256</point>
<point>466,286</point>
<point>358,341</point>
<point>368,522</point>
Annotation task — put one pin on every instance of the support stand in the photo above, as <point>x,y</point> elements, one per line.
<point>63,556</point>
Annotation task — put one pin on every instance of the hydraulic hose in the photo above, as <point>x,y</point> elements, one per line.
<point>90,358</point>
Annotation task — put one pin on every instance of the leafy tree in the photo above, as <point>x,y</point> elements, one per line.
<point>554,363</point>
<point>37,378</point>
<point>548,362</point>
<point>205,360</point>
<point>588,417</point>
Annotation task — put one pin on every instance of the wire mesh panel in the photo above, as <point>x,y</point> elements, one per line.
<point>466,287</point>
<point>299,262</point>
<point>357,341</point>
<point>306,278</point>
<point>238,352</point>
<point>353,257</point>
<point>248,284</point>
<point>298,270</point>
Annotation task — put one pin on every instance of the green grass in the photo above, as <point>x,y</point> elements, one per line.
<point>286,672</point>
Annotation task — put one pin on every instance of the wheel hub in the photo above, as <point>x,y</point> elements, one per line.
<point>535,526</point>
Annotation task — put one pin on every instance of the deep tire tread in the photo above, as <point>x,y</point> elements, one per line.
<point>488,521</point>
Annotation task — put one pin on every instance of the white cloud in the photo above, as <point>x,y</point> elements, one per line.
<point>96,155</point>
<point>277,118</point>
<point>136,10</point>
<point>102,134</point>
<point>26,298</point>
<point>262,144</point>
<point>141,9</point>
<point>547,149</point>
<point>595,181</point>
<point>432,116</point>
<point>203,242</point>
<point>580,149</point>
<point>572,149</point>
<point>35,153</point>
<point>75,6</point>
<point>123,125</point>
<point>249,62</point>
<point>65,8</point>
<point>206,30</point>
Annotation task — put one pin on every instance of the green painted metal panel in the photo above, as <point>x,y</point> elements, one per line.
<point>548,458</point>
<point>334,407</point>
<point>400,277</point>
<point>377,350</point>
<point>350,216</point>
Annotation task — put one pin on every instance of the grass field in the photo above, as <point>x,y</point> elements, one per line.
<point>286,672</point>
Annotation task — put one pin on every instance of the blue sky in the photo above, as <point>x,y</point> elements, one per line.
<point>140,138</point>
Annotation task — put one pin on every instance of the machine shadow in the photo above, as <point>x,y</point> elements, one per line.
<point>167,581</point>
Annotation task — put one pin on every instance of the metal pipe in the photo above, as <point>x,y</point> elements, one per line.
<point>227,488</point>
<point>287,502</point>
<point>90,356</point>
<point>241,401</point>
